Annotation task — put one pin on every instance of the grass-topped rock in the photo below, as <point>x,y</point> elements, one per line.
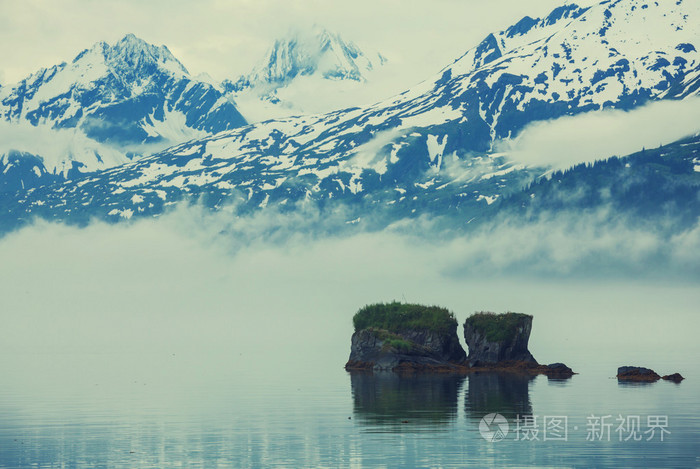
<point>390,336</point>
<point>496,338</point>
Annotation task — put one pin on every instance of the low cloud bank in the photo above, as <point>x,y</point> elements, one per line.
<point>58,148</point>
<point>598,135</point>
<point>595,244</point>
<point>591,244</point>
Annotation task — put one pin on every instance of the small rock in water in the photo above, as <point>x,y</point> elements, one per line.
<point>675,377</point>
<point>637,373</point>
<point>559,369</point>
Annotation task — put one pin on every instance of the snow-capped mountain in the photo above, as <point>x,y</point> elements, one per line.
<point>428,150</point>
<point>314,52</point>
<point>111,103</point>
<point>307,71</point>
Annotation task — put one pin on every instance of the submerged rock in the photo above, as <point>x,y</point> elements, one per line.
<point>398,336</point>
<point>496,338</point>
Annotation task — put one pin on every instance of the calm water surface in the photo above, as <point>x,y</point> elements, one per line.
<point>205,410</point>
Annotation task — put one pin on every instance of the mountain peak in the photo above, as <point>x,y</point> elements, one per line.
<point>314,51</point>
<point>113,101</point>
<point>131,38</point>
<point>135,52</point>
<point>130,57</point>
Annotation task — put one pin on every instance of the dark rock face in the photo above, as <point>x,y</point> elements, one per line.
<point>483,352</point>
<point>446,346</point>
<point>418,349</point>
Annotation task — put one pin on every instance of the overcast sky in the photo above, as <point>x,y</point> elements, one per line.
<point>226,37</point>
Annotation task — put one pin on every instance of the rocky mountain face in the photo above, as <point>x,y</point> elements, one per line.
<point>114,103</point>
<point>427,151</point>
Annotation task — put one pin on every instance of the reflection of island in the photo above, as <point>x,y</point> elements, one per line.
<point>394,399</point>
<point>503,393</point>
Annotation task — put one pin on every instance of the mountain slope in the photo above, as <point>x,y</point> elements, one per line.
<point>428,150</point>
<point>22,170</point>
<point>655,187</point>
<point>118,101</point>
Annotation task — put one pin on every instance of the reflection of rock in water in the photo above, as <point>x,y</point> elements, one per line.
<point>387,398</point>
<point>503,393</point>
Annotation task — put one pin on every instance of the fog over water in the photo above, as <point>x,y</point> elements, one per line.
<point>185,283</point>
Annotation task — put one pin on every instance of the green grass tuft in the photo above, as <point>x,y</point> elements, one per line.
<point>392,340</point>
<point>497,327</point>
<point>397,317</point>
<point>401,345</point>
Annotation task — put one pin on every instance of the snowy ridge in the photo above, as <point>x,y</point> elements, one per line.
<point>525,32</point>
<point>429,149</point>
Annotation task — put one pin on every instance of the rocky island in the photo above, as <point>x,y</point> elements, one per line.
<point>411,337</point>
<point>398,336</point>
<point>496,338</point>
<point>499,342</point>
